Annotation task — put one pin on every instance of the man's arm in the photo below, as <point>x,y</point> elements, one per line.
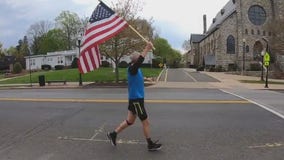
<point>134,68</point>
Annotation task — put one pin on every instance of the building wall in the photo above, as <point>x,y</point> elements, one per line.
<point>246,34</point>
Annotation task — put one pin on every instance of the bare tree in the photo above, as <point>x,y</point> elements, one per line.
<point>186,45</point>
<point>127,41</point>
<point>35,32</point>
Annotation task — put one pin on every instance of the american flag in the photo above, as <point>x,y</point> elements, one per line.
<point>103,25</point>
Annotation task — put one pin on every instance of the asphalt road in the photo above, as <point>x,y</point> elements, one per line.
<point>194,124</point>
<point>184,75</point>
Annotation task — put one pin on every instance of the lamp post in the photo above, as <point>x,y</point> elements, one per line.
<point>79,48</point>
<point>262,54</point>
<point>267,50</point>
<point>30,68</point>
<point>244,51</point>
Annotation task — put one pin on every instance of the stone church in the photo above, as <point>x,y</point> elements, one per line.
<point>237,35</point>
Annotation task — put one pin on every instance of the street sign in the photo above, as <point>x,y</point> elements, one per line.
<point>266,59</point>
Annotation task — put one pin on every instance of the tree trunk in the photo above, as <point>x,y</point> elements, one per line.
<point>116,72</point>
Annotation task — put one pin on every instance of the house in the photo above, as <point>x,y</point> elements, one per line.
<point>53,59</point>
<point>65,58</point>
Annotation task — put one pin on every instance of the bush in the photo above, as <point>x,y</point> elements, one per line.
<point>123,64</point>
<point>219,68</point>
<point>105,64</point>
<point>46,67</point>
<point>74,63</point>
<point>211,69</point>
<point>156,62</point>
<point>232,67</point>
<point>255,67</point>
<point>17,68</point>
<point>200,68</point>
<point>59,67</point>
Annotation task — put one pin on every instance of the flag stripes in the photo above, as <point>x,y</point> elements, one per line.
<point>103,25</point>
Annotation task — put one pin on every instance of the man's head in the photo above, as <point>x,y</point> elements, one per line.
<point>134,57</point>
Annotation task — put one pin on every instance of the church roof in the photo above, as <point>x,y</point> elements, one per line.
<point>222,15</point>
<point>196,38</point>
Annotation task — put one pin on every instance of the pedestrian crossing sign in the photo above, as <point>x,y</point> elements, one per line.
<point>266,59</point>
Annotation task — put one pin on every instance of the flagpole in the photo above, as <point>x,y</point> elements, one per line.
<point>133,29</point>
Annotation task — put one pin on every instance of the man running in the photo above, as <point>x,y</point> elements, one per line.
<point>136,100</point>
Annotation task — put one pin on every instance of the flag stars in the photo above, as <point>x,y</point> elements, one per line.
<point>100,13</point>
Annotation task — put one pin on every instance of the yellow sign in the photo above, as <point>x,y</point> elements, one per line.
<point>161,65</point>
<point>266,64</point>
<point>266,57</point>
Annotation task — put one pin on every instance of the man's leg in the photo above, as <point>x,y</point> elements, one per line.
<point>128,122</point>
<point>146,128</point>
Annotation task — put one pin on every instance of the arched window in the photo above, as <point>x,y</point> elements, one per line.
<point>231,45</point>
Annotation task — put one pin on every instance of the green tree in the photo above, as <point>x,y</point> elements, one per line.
<point>35,33</point>
<point>52,41</point>
<point>24,49</point>
<point>1,50</point>
<point>12,51</point>
<point>70,23</point>
<point>164,50</point>
<point>127,41</point>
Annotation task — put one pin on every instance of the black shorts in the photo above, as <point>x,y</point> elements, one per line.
<point>136,106</point>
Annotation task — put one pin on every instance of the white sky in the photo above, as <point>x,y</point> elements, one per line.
<point>174,20</point>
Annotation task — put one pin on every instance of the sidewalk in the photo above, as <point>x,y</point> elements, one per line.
<point>233,81</point>
<point>68,85</point>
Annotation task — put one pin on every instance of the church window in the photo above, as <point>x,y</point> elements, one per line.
<point>231,45</point>
<point>258,32</point>
<point>264,33</point>
<point>246,31</point>
<point>257,15</point>
<point>252,32</point>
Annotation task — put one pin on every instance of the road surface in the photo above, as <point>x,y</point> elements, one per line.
<point>194,124</point>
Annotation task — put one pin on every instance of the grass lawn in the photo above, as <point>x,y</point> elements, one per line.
<point>260,82</point>
<point>72,75</point>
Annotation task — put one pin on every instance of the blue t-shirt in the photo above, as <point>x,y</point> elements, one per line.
<point>135,80</point>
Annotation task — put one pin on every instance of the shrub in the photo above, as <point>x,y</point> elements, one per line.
<point>74,63</point>
<point>59,67</point>
<point>200,68</point>
<point>17,68</point>
<point>123,64</point>
<point>219,68</point>
<point>105,64</point>
<point>46,67</point>
<point>156,62</point>
<point>255,67</point>
<point>211,69</point>
<point>232,67</point>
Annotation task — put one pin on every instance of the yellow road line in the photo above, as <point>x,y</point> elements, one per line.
<point>124,101</point>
